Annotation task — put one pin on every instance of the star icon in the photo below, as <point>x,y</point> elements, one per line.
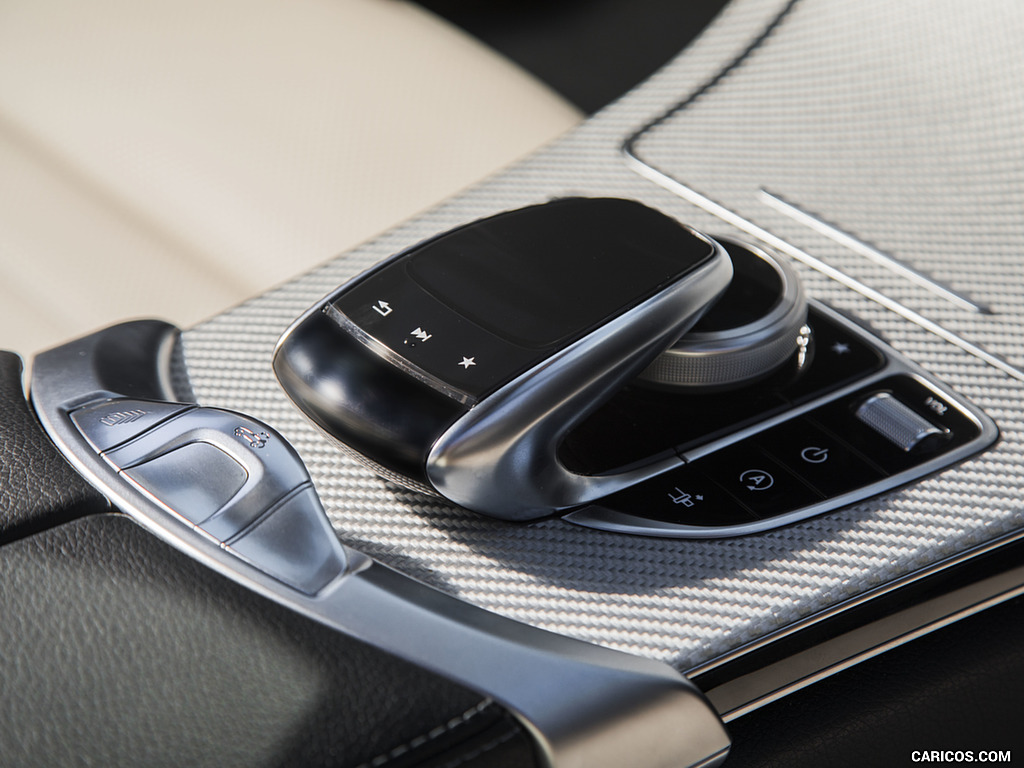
<point>841,348</point>
<point>467,361</point>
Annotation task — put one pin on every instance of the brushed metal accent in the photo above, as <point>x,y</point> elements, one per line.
<point>692,196</point>
<point>586,706</point>
<point>270,473</point>
<point>501,457</point>
<point>732,356</point>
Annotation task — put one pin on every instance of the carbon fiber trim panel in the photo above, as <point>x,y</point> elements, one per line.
<point>899,123</point>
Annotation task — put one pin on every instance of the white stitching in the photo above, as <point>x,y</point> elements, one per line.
<point>429,736</point>
<point>485,748</point>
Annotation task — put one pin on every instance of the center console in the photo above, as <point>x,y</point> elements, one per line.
<point>798,466</point>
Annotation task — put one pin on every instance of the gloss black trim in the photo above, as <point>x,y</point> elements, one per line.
<point>361,399</point>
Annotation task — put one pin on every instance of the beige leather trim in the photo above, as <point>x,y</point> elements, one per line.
<point>169,159</point>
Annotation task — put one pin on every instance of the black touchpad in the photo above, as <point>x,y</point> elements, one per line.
<point>536,285</point>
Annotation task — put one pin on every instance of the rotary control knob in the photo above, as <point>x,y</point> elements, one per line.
<point>750,332</point>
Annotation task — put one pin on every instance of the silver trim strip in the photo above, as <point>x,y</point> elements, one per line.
<point>857,601</point>
<point>586,706</point>
<point>719,697</point>
<point>834,233</point>
<point>975,598</point>
<point>734,219</point>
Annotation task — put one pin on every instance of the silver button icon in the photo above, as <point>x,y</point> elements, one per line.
<point>812,454</point>
<point>757,480</point>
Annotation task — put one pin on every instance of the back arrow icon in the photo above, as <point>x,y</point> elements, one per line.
<point>382,308</point>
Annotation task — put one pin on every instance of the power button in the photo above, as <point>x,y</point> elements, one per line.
<point>819,457</point>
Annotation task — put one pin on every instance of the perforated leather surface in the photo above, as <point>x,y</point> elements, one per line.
<point>945,195</point>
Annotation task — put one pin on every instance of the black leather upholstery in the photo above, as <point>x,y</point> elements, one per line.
<point>118,650</point>
<point>958,689</point>
<point>38,488</point>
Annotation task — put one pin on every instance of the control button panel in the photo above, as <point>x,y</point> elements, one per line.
<point>233,477</point>
<point>421,330</point>
<point>896,427</point>
<point>683,496</point>
<point>763,485</point>
<point>647,422</point>
<point>821,459</point>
